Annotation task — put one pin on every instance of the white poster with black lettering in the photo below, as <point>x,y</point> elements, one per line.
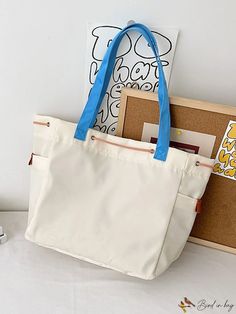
<point>135,63</point>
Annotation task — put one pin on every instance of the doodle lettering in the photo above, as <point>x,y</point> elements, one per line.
<point>228,145</point>
<point>224,158</point>
<point>114,108</point>
<point>217,168</point>
<point>155,66</point>
<point>133,85</point>
<point>116,90</point>
<point>100,128</point>
<point>232,131</point>
<point>230,172</point>
<point>93,72</point>
<point>103,37</point>
<point>140,70</point>
<point>97,126</point>
<point>155,88</point>
<point>233,163</point>
<point>163,42</point>
<point>147,86</point>
<point>104,112</point>
<point>112,128</point>
<point>121,72</point>
<point>234,155</point>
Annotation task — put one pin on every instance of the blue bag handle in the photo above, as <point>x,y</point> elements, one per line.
<point>99,88</point>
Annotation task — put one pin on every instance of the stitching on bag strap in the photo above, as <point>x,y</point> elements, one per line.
<point>124,146</point>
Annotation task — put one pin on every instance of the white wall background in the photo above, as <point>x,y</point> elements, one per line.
<point>42,56</point>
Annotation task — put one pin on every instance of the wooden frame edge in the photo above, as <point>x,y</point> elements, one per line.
<point>180,101</point>
<point>121,117</point>
<point>212,245</point>
<point>186,102</point>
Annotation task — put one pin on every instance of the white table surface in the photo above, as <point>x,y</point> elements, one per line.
<point>36,280</point>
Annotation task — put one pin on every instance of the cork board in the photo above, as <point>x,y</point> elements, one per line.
<point>216,225</point>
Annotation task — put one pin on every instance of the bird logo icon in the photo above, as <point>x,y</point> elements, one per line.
<point>186,304</point>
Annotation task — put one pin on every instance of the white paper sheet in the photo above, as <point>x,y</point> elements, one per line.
<point>192,142</point>
<point>135,63</point>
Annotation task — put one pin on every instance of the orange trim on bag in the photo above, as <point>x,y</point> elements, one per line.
<point>198,163</point>
<point>42,123</point>
<point>124,146</point>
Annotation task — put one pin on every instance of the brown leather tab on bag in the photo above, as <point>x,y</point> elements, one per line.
<point>198,208</point>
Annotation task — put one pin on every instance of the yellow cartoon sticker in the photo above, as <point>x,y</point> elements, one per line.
<point>225,162</point>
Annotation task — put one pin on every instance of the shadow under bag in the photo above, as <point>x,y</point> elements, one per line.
<point>115,202</point>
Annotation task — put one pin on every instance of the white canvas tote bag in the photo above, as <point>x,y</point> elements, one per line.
<point>115,202</point>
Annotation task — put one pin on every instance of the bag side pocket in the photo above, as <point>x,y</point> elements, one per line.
<point>180,226</point>
<point>37,178</point>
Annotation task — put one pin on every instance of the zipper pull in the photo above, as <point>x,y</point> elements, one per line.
<point>31,159</point>
<point>198,207</point>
